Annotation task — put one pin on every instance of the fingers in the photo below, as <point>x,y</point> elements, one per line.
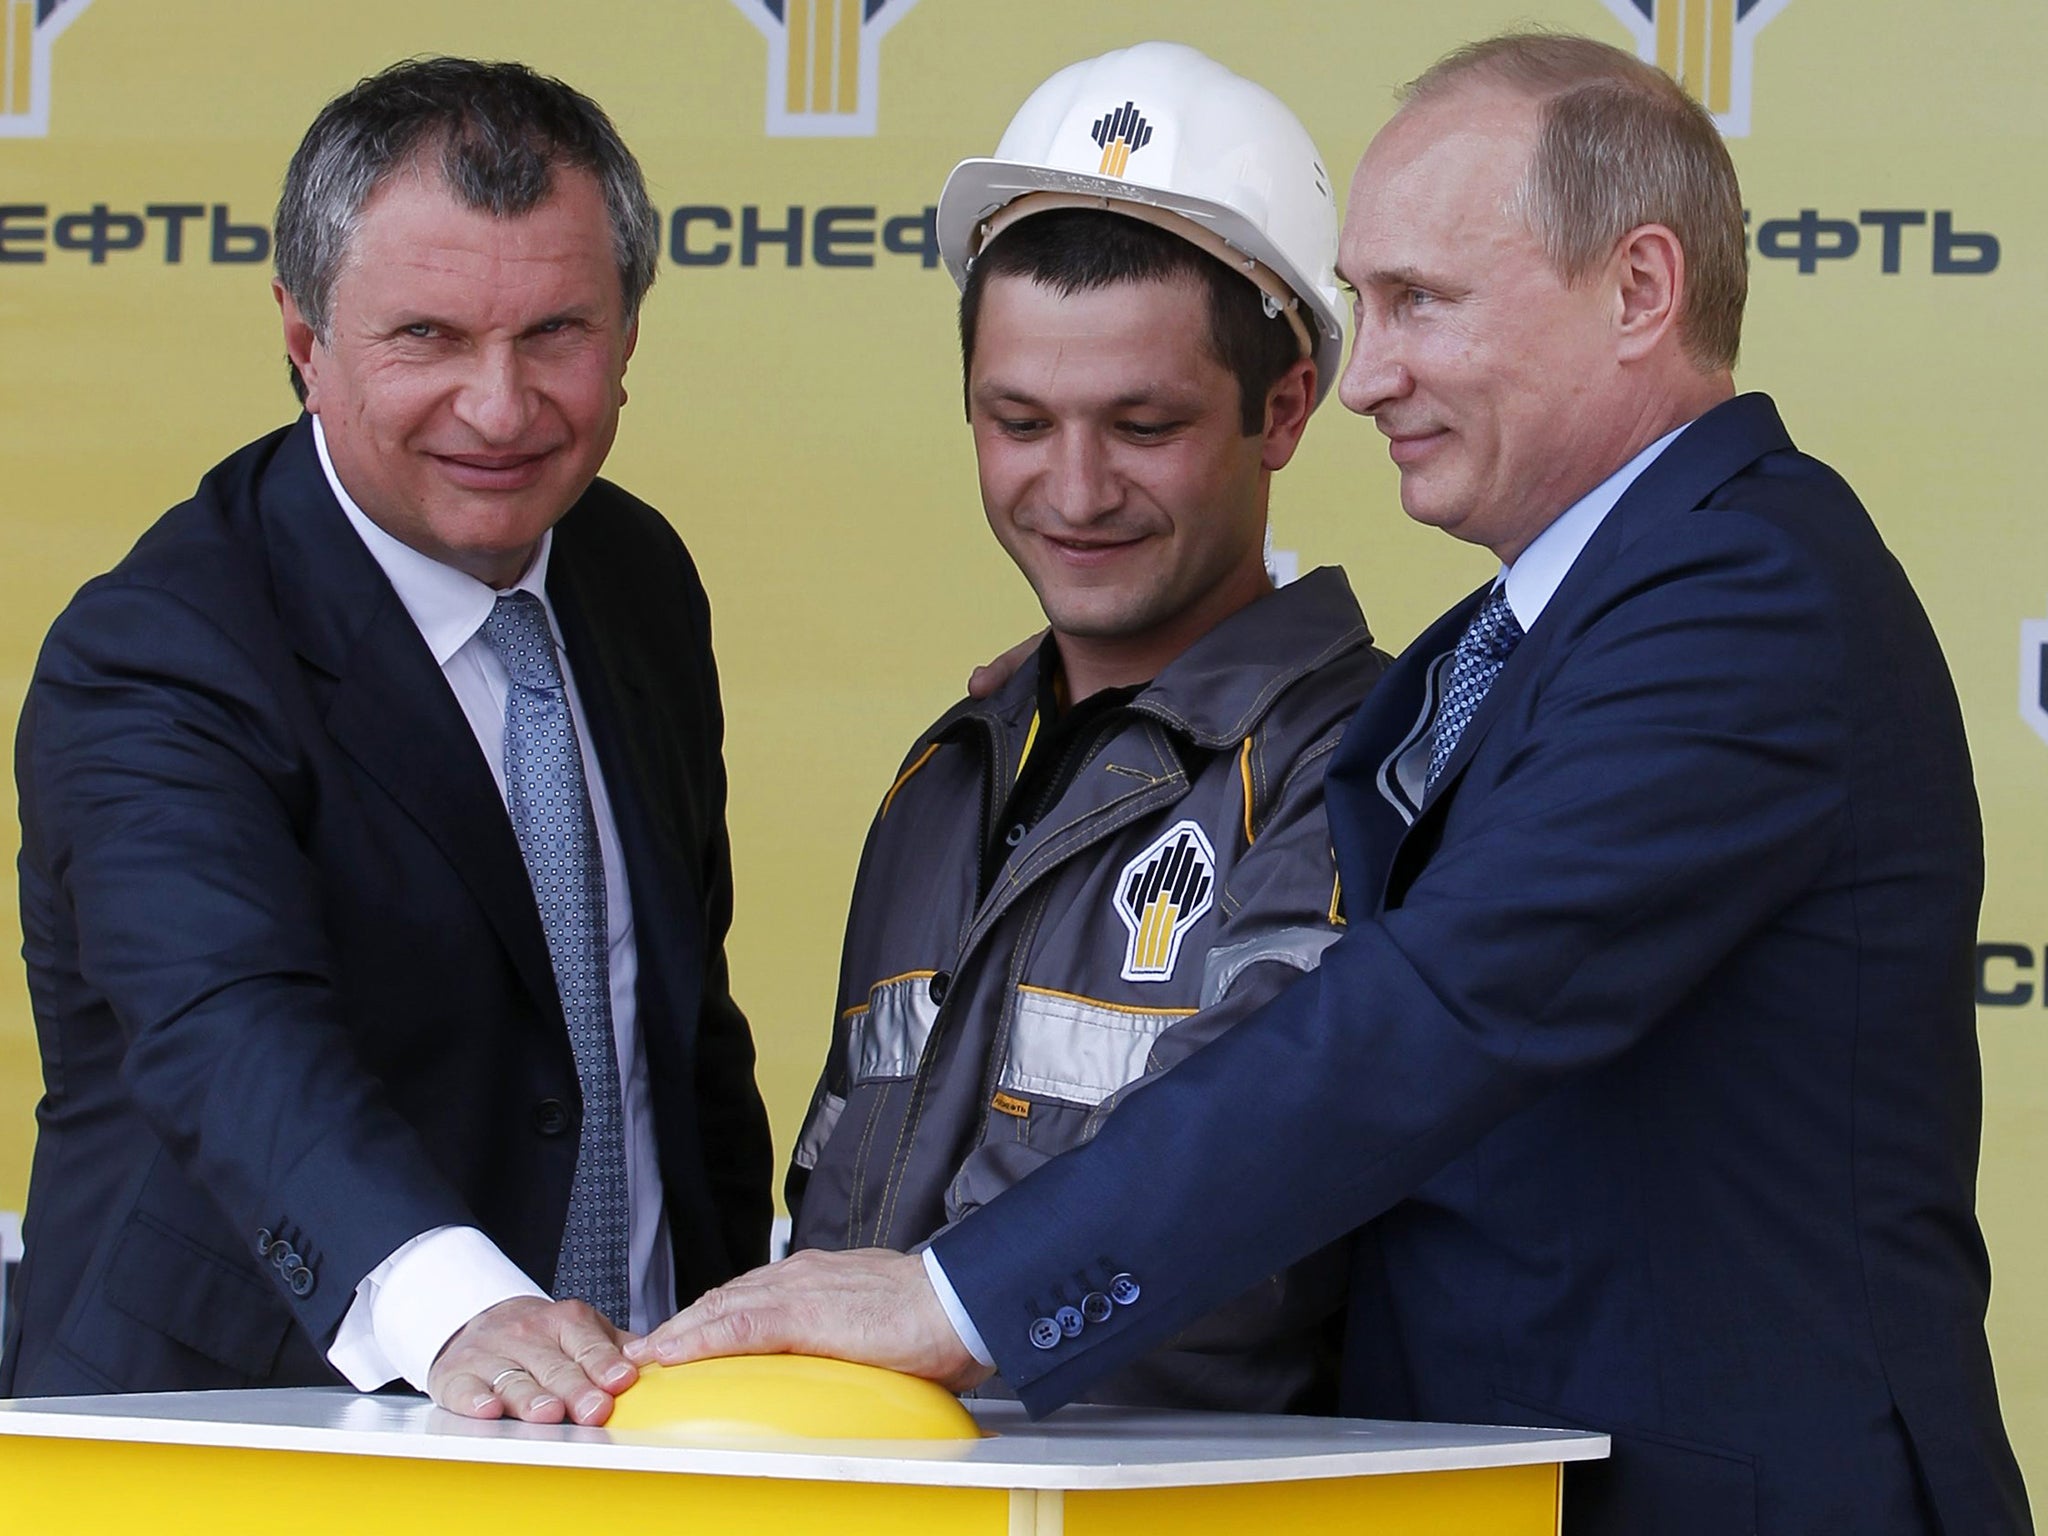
<point>524,1397</point>
<point>869,1305</point>
<point>468,1394</point>
<point>987,679</point>
<point>735,1319</point>
<point>541,1361</point>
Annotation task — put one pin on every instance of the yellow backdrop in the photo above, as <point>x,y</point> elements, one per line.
<point>795,405</point>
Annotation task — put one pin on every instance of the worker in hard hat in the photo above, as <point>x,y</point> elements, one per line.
<point>1074,883</point>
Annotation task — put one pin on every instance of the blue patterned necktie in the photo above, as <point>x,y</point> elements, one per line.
<point>1483,650</point>
<point>550,806</point>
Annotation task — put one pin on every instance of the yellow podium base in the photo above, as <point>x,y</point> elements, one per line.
<point>165,1490</point>
<point>318,1462</point>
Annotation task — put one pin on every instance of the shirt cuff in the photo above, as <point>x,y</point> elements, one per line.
<point>956,1314</point>
<point>415,1301</point>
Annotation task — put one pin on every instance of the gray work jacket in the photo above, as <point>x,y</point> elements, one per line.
<point>1184,877</point>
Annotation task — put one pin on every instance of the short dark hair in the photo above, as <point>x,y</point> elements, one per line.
<point>500,129</point>
<point>1079,250</point>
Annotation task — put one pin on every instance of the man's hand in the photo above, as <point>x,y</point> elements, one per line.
<point>871,1305</point>
<point>536,1360</point>
<point>986,679</point>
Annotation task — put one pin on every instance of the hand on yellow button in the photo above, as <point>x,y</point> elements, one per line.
<point>800,1396</point>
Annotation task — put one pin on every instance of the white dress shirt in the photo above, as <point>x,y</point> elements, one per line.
<point>1531,581</point>
<point>1534,578</point>
<point>411,1304</point>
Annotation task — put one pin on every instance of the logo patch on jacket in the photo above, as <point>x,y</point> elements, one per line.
<point>1160,895</point>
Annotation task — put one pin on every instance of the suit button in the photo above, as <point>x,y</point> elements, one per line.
<point>263,1242</point>
<point>302,1281</point>
<point>1123,1290</point>
<point>1045,1333</point>
<point>551,1117</point>
<point>939,986</point>
<point>285,1259</point>
<point>1095,1307</point>
<point>1069,1319</point>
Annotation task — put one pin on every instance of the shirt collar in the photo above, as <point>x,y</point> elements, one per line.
<point>1535,577</point>
<point>448,606</point>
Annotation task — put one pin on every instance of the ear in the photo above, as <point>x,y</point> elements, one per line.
<point>299,344</point>
<point>1648,273</point>
<point>1288,404</point>
<point>632,341</point>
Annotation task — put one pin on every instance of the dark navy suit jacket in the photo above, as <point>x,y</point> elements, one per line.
<point>1647,1068</point>
<point>287,971</point>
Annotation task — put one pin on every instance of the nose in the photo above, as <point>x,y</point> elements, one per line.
<point>495,401</point>
<point>1083,484</point>
<point>1374,375</point>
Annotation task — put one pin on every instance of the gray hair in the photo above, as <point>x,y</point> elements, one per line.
<point>500,131</point>
<point>1619,145</point>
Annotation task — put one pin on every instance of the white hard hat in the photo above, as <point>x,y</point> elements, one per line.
<point>1162,132</point>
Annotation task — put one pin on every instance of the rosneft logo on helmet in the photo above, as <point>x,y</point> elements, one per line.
<point>1121,134</point>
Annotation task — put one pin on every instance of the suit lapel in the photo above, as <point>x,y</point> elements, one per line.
<point>1709,453</point>
<point>615,682</point>
<point>1362,770</point>
<point>1713,450</point>
<point>390,709</point>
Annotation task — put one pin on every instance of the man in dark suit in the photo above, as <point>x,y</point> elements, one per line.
<point>1645,1074</point>
<point>374,869</point>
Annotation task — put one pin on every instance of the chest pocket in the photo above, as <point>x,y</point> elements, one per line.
<point>886,1034</point>
<point>1079,1050</point>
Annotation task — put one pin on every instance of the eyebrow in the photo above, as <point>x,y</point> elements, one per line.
<point>581,313</point>
<point>1394,277</point>
<point>575,314</point>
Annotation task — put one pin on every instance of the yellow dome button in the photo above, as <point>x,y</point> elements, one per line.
<point>753,1397</point>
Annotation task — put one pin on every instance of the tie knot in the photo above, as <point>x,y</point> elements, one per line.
<point>1494,632</point>
<point>518,632</point>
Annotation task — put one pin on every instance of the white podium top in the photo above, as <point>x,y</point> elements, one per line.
<point>1077,1448</point>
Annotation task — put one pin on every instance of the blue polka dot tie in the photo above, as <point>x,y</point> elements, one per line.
<point>550,806</point>
<point>1483,650</point>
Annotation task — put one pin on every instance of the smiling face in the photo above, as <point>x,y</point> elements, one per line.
<point>1497,384</point>
<point>1114,469</point>
<point>470,384</point>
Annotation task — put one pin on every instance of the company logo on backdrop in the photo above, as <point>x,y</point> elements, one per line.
<point>824,62</point>
<point>31,29</point>
<point>2034,675</point>
<point>1709,45</point>
<point>2011,975</point>
<point>2015,974</point>
<point>824,65</point>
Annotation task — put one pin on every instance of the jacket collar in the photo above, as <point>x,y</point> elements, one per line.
<point>1217,690</point>
<point>1714,449</point>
